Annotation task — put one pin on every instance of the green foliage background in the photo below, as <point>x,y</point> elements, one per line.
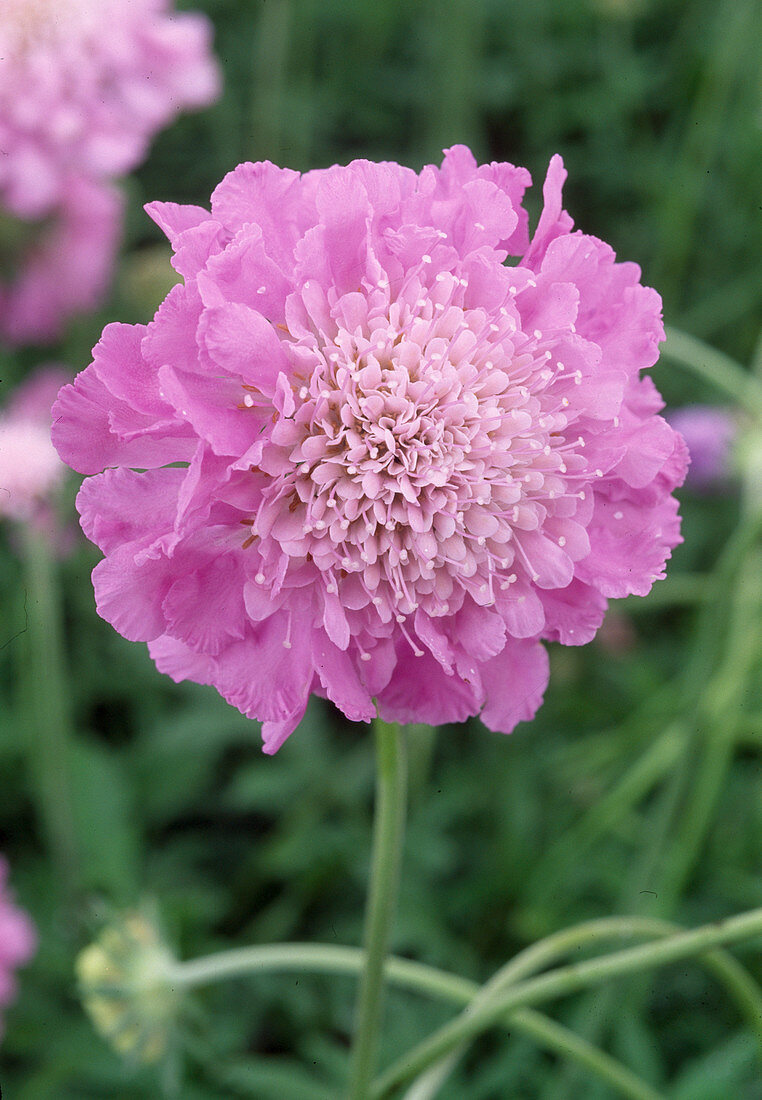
<point>657,109</point>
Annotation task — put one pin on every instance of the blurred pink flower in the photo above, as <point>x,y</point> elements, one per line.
<point>84,86</point>
<point>30,469</point>
<point>398,463</point>
<point>709,432</point>
<point>64,266</point>
<point>18,940</point>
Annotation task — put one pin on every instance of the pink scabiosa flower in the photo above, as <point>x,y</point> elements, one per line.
<point>30,469</point>
<point>17,940</point>
<point>359,454</point>
<point>84,86</point>
<point>60,266</point>
<point>710,433</point>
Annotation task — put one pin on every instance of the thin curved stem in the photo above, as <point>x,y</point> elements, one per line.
<point>388,836</point>
<point>738,983</point>
<point>418,978</point>
<point>319,958</point>
<point>557,983</point>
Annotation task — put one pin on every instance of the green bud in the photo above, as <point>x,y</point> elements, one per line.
<point>126,985</point>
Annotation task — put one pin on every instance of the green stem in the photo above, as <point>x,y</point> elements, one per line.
<point>47,705</point>
<point>388,835</point>
<point>417,977</point>
<point>560,1040</point>
<point>739,984</point>
<point>319,958</point>
<point>560,982</point>
<point>715,367</point>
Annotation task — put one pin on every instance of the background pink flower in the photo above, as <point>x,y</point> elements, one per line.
<point>30,469</point>
<point>710,433</point>
<point>65,265</point>
<point>398,463</point>
<point>84,86</point>
<point>18,940</point>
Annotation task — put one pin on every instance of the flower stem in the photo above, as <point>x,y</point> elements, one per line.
<point>557,983</point>
<point>414,976</point>
<point>388,833</point>
<point>46,702</point>
<point>423,979</point>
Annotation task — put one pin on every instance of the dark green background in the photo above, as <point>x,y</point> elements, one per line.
<point>657,110</point>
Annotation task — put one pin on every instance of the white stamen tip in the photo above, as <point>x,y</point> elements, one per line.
<point>248,400</point>
<point>260,578</point>
<point>365,656</point>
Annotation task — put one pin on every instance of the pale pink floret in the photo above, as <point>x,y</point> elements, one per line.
<point>404,463</point>
<point>84,86</point>
<point>18,940</point>
<point>30,469</point>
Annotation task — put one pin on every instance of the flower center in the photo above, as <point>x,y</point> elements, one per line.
<point>423,449</point>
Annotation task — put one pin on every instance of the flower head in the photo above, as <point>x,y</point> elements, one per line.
<point>17,940</point>
<point>398,463</point>
<point>84,85</point>
<point>30,469</point>
<point>125,981</point>
<point>710,433</point>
